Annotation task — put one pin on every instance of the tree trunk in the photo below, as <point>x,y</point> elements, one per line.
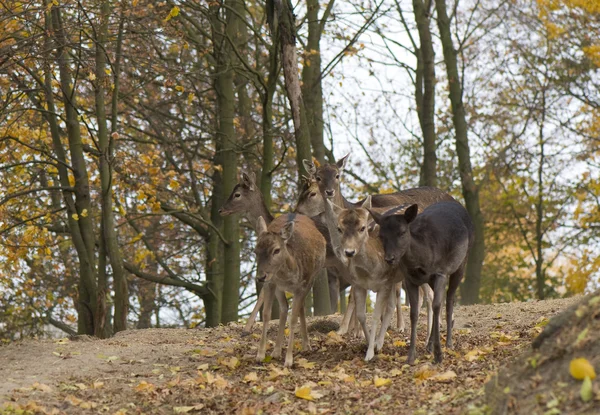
<point>540,276</point>
<point>80,220</point>
<point>312,89</point>
<point>287,37</point>
<point>226,104</point>
<point>268,160</point>
<point>425,91</point>
<point>109,234</point>
<point>470,287</point>
<point>302,131</point>
<point>147,299</point>
<point>312,93</point>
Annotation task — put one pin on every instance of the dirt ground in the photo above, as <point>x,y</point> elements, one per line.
<point>165,371</point>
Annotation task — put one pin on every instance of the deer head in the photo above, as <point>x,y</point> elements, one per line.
<point>271,249</point>
<point>394,231</point>
<point>245,194</point>
<point>310,202</point>
<point>352,226</point>
<point>327,176</point>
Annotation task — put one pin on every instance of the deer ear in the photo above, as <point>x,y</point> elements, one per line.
<point>411,213</point>
<point>287,230</point>
<point>249,180</point>
<point>367,203</point>
<point>310,167</point>
<point>336,209</point>
<point>341,163</point>
<point>261,226</point>
<point>373,229</point>
<point>376,216</point>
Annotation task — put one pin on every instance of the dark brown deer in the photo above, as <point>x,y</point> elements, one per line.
<point>289,253</point>
<point>431,248</point>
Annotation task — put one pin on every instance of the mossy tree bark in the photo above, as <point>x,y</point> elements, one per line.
<point>425,90</point>
<point>470,287</point>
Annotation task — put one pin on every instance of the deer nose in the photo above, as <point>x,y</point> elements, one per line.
<point>220,211</point>
<point>390,259</point>
<point>330,193</point>
<point>350,253</point>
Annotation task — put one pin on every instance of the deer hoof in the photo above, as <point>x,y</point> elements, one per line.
<point>260,357</point>
<point>289,361</point>
<point>370,354</point>
<point>276,354</point>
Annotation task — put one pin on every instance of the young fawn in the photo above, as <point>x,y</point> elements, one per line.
<point>368,270</point>
<point>431,248</point>
<point>289,253</point>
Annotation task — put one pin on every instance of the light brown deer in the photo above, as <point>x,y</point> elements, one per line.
<point>289,254</point>
<point>247,199</point>
<point>368,270</point>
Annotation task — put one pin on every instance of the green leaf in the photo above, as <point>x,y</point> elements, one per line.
<point>586,390</point>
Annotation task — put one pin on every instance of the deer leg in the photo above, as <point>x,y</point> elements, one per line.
<point>455,279</point>
<point>380,303</point>
<point>439,286</point>
<point>348,314</point>
<point>297,304</point>
<point>303,330</point>
<point>412,292</point>
<point>399,317</point>
<point>283,312</point>
<point>355,330</point>
<point>360,296</point>
<point>428,295</point>
<point>388,310</point>
<point>259,302</point>
<point>334,290</point>
<point>269,291</point>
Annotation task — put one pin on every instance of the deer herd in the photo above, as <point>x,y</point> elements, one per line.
<point>417,237</point>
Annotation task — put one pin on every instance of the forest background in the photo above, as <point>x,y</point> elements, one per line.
<point>124,125</point>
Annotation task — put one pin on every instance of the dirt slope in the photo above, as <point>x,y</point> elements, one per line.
<point>165,371</point>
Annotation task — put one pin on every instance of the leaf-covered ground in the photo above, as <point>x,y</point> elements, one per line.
<point>165,371</point>
<point>557,374</point>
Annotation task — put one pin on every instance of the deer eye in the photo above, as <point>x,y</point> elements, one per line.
<point>339,229</point>
<point>237,195</point>
<point>318,178</point>
<point>312,194</point>
<point>337,176</point>
<point>276,251</point>
<point>363,228</point>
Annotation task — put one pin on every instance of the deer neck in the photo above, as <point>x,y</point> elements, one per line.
<point>330,220</point>
<point>257,210</point>
<point>340,200</point>
<point>289,275</point>
<point>370,257</point>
